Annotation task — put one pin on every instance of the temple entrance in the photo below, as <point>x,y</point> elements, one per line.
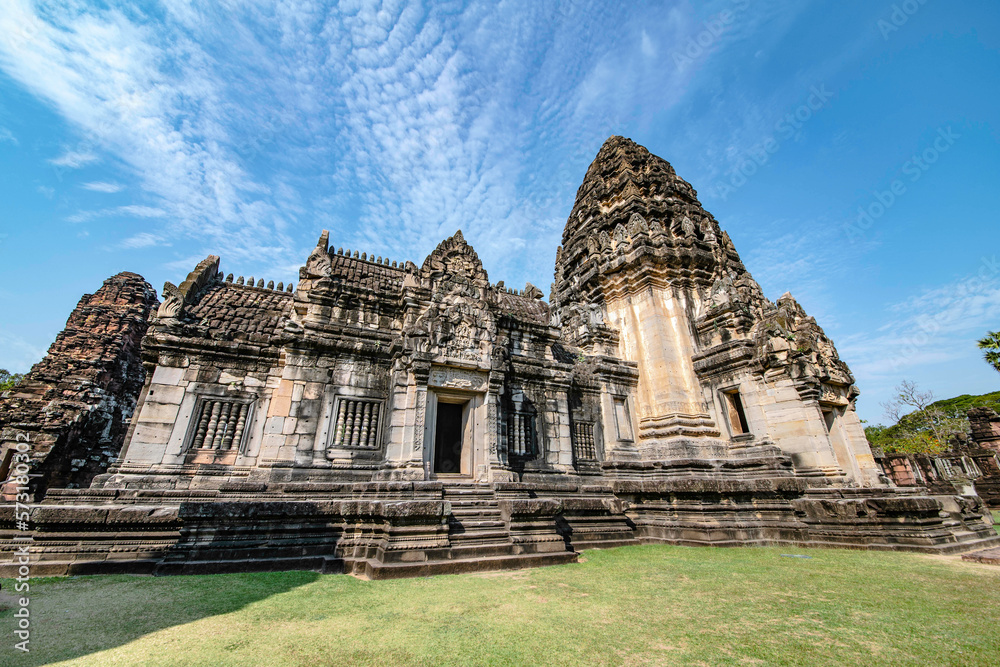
<point>449,438</point>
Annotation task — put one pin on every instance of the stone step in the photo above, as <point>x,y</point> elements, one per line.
<point>478,502</point>
<point>481,536</point>
<point>375,570</point>
<point>477,523</point>
<point>464,510</point>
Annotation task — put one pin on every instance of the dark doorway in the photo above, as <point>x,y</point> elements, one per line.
<point>448,438</point>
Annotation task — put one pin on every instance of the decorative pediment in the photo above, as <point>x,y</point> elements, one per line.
<point>456,259</point>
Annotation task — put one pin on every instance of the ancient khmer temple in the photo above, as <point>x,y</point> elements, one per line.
<point>392,418</point>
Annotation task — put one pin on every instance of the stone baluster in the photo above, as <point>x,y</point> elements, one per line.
<point>349,423</point>
<point>234,415</point>
<point>338,431</point>
<point>199,436</point>
<point>356,426</point>
<point>365,423</point>
<point>241,423</point>
<point>213,424</point>
<point>223,424</point>
<point>373,433</point>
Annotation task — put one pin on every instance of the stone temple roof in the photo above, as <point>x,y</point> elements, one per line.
<point>240,312</point>
<point>523,308</point>
<point>367,274</point>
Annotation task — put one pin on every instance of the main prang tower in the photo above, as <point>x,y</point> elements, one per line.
<point>723,371</point>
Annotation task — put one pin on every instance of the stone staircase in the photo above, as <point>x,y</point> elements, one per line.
<point>480,539</point>
<point>475,524</point>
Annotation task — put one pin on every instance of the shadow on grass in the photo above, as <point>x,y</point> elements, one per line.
<point>76,616</point>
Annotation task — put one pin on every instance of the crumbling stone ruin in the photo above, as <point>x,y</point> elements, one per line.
<point>388,419</point>
<point>75,405</point>
<point>970,466</point>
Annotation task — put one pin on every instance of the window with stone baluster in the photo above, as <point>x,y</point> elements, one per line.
<point>357,423</point>
<point>221,424</point>
<point>584,445</point>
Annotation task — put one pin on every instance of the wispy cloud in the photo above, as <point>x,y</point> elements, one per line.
<point>934,326</point>
<point>74,159</point>
<point>131,210</point>
<point>7,136</point>
<point>149,96</point>
<point>103,186</point>
<point>393,124</point>
<point>142,240</point>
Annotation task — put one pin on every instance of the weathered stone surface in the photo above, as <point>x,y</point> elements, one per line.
<point>74,406</point>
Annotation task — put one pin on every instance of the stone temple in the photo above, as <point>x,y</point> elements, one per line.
<point>388,419</point>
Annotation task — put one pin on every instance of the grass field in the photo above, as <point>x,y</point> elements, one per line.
<point>649,605</point>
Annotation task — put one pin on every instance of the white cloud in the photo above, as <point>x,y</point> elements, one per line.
<point>7,135</point>
<point>142,240</point>
<point>46,191</point>
<point>148,95</point>
<point>131,210</point>
<point>140,211</point>
<point>74,159</point>
<point>103,186</point>
<point>935,326</point>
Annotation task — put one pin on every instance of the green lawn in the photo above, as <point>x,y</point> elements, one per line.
<point>651,605</point>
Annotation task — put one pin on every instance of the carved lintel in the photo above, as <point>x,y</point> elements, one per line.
<point>457,378</point>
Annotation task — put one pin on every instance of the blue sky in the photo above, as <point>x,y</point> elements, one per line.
<point>851,149</point>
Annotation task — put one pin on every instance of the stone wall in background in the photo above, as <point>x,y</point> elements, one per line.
<point>75,405</point>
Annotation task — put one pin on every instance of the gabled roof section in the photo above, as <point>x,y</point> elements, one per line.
<point>455,257</point>
<point>239,312</point>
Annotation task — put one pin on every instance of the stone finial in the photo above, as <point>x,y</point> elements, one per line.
<point>318,264</point>
<point>289,288</point>
<point>270,284</point>
<point>280,286</point>
<point>239,281</point>
<point>260,283</point>
<point>204,273</point>
<point>533,292</point>
<point>340,251</point>
<point>172,307</point>
<point>229,278</point>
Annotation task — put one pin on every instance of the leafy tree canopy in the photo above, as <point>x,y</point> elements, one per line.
<point>9,380</point>
<point>991,346</point>
<point>923,425</point>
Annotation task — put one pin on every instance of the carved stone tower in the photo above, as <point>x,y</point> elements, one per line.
<point>639,248</point>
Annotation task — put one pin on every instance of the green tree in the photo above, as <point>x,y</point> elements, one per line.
<point>9,380</point>
<point>921,425</point>
<point>991,345</point>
